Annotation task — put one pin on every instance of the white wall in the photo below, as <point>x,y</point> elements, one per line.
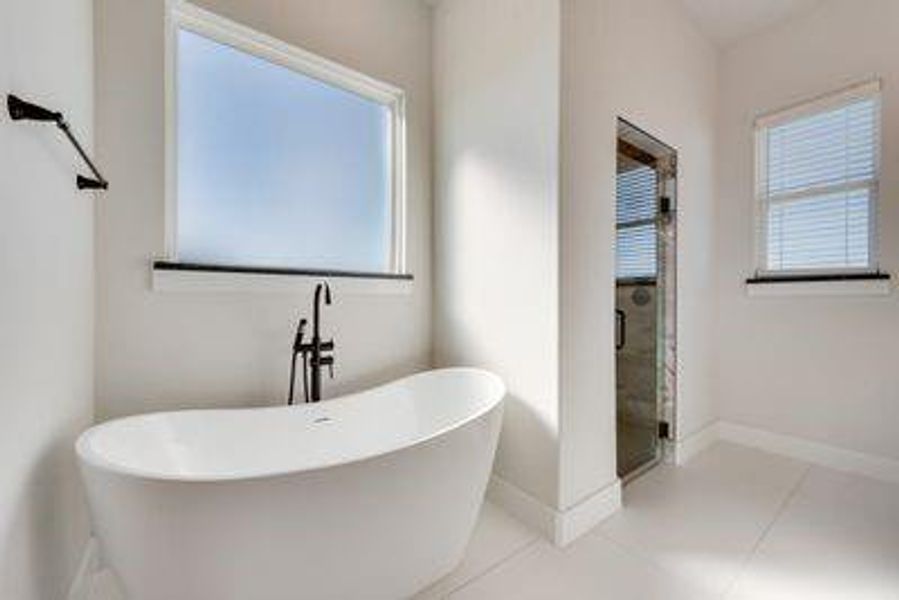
<point>645,61</point>
<point>46,314</point>
<point>157,351</point>
<point>821,368</point>
<point>496,213</point>
<point>506,236</point>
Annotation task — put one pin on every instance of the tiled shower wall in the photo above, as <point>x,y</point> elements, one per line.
<point>636,381</point>
<point>636,376</point>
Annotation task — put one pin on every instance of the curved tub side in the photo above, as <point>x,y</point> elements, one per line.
<point>396,522</point>
<point>248,443</point>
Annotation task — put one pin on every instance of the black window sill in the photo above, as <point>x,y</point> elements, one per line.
<point>823,277</point>
<point>629,281</point>
<point>165,265</point>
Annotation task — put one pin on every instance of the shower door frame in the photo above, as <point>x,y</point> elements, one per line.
<point>666,166</point>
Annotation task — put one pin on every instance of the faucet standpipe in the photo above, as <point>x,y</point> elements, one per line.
<point>315,353</point>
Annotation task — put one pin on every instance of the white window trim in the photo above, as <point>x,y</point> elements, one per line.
<point>866,90</point>
<point>181,14</point>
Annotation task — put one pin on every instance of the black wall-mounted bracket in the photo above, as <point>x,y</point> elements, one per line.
<point>20,110</point>
<point>664,430</point>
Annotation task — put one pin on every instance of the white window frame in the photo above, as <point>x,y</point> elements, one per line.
<point>181,14</point>
<point>867,90</point>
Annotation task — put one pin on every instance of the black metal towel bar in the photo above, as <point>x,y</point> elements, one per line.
<point>21,110</point>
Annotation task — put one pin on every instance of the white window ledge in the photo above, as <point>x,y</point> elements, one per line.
<point>875,286</point>
<point>176,277</point>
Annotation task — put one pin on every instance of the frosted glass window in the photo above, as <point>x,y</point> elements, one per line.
<point>817,187</point>
<point>637,240</point>
<point>276,168</point>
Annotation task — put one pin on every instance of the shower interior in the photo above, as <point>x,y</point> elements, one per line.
<point>645,301</point>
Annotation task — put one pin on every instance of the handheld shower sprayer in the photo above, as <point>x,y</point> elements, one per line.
<point>298,349</point>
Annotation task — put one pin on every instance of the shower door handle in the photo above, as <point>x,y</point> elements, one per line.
<point>620,329</point>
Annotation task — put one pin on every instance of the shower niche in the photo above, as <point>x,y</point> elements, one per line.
<point>645,299</point>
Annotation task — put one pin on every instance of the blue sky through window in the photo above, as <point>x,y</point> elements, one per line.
<point>276,168</point>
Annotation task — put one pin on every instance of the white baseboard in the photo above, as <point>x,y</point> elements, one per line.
<point>521,505</point>
<point>841,459</point>
<point>577,520</point>
<point>825,455</point>
<point>89,565</point>
<point>562,527</point>
<point>685,449</point>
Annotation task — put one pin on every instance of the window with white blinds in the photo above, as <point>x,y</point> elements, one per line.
<point>817,181</point>
<point>636,244</point>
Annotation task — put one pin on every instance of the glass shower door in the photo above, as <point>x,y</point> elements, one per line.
<point>638,430</point>
<point>644,301</point>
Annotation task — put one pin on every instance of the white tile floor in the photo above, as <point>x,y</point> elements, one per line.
<point>735,524</point>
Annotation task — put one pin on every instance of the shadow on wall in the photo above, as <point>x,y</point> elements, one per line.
<point>530,443</point>
<point>497,246</point>
<point>368,380</point>
<point>39,529</point>
<point>249,363</point>
<point>527,454</point>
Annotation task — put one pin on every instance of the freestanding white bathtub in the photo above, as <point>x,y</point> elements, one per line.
<point>368,496</point>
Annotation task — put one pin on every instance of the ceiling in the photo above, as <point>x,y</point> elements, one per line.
<point>728,21</point>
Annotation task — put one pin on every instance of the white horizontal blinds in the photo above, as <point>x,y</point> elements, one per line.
<point>636,245</point>
<point>818,187</point>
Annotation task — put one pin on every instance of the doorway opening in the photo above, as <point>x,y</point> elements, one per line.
<point>645,299</point>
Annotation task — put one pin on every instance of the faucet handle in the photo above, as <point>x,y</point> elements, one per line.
<point>329,346</point>
<point>327,361</point>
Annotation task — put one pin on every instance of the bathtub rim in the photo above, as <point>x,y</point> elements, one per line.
<point>90,458</point>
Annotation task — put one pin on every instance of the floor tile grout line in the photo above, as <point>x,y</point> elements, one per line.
<point>640,556</point>
<point>493,567</point>
<point>636,552</point>
<point>781,509</point>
